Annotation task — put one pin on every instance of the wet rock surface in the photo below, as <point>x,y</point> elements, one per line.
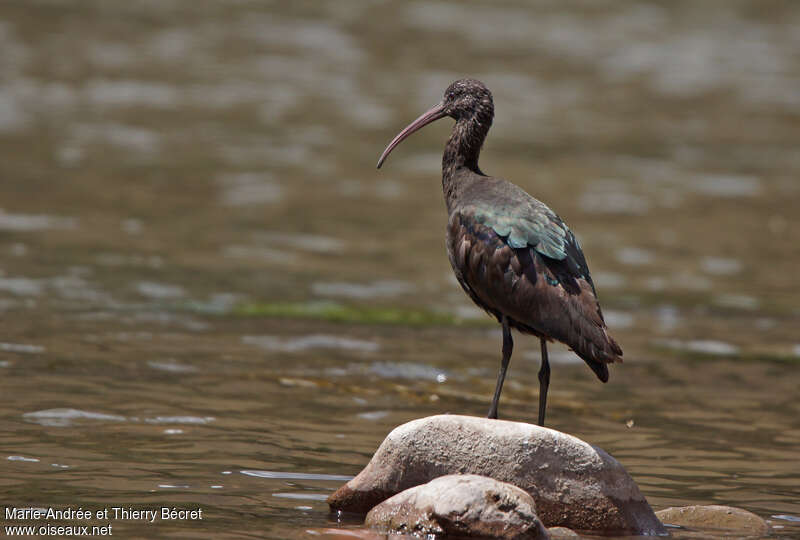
<point>715,518</point>
<point>463,506</point>
<point>573,484</point>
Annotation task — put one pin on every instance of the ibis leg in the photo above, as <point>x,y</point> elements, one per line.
<point>508,345</point>
<point>544,382</point>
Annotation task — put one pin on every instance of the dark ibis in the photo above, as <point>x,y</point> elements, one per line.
<point>512,255</point>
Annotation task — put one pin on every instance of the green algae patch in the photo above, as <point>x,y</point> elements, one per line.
<point>335,312</point>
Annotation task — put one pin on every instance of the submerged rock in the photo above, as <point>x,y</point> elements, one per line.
<point>715,518</point>
<point>463,505</point>
<point>573,484</point>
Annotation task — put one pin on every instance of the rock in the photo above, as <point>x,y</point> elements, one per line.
<point>574,484</point>
<point>463,505</point>
<point>715,518</point>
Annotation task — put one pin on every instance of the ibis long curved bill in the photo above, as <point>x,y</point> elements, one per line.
<point>431,115</point>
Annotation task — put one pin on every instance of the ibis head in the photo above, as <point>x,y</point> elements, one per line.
<point>464,100</point>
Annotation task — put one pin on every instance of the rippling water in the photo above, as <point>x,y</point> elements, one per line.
<point>210,298</point>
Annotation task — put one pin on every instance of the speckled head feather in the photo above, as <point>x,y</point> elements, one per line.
<point>470,103</point>
<point>466,98</point>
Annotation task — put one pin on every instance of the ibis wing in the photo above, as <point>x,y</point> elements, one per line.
<point>549,296</point>
<point>521,219</point>
<point>526,223</point>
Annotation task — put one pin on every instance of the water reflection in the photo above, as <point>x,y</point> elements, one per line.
<point>21,348</point>
<point>33,222</point>
<point>68,417</point>
<point>377,289</point>
<point>297,476</point>
<point>276,343</point>
<point>249,188</point>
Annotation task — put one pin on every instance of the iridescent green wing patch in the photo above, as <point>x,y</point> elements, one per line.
<point>528,223</point>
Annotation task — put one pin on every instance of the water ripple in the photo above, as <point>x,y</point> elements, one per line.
<point>376,289</point>
<point>23,458</point>
<point>172,367</point>
<point>66,417</point>
<point>702,346</point>
<point>302,496</point>
<point>21,348</point>
<point>304,343</point>
<point>296,476</point>
<point>34,222</point>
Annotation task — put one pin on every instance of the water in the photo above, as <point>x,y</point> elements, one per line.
<point>210,298</point>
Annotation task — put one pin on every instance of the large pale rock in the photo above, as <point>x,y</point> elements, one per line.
<point>462,505</point>
<point>574,484</point>
<point>715,518</point>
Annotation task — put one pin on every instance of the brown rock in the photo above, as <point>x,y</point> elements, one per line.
<point>574,484</point>
<point>715,518</point>
<point>463,505</point>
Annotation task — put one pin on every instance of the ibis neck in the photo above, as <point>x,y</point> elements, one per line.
<point>462,152</point>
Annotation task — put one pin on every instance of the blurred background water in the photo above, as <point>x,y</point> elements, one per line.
<point>210,297</point>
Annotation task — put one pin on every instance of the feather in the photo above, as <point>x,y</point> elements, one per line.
<point>545,296</point>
